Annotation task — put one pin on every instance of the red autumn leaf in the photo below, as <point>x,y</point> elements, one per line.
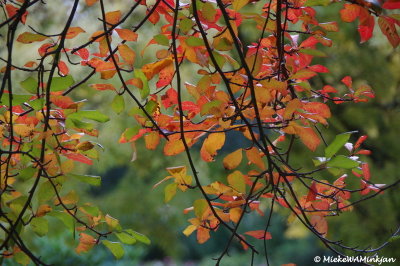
<point>170,98</point>
<point>165,76</point>
<point>347,81</point>
<point>78,157</point>
<point>391,4</point>
<point>63,68</point>
<point>365,170</point>
<point>350,12</point>
<point>312,192</point>
<point>12,11</point>
<point>319,68</point>
<point>83,53</point>
<point>259,234</point>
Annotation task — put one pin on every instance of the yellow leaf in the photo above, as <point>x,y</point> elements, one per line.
<point>23,130</point>
<point>238,4</point>
<point>236,181</point>
<point>235,214</point>
<point>111,221</point>
<point>189,230</point>
<point>213,142</point>
<point>233,159</point>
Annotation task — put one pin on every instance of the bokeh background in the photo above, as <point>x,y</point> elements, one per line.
<point>127,194</point>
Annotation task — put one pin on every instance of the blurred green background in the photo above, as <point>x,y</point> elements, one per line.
<point>126,192</point>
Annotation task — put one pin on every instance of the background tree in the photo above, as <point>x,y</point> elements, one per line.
<point>258,94</point>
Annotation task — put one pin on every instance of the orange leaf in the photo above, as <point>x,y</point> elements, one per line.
<point>127,54</point>
<point>320,224</point>
<point>113,17</point>
<point>154,68</point>
<point>127,35</point>
<point>91,2</point>
<point>291,107</point>
<point>152,140</point>
<point>173,147</point>
<point>102,87</point>
<point>233,159</point>
<point>253,155</point>
<point>203,234</point>
<point>73,32</point>
<point>234,214</point>
<point>350,12</point>
<point>86,242</point>
<point>259,234</point>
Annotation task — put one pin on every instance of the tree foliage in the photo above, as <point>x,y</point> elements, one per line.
<point>262,91</point>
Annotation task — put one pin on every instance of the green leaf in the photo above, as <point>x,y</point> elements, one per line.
<point>22,258</point>
<point>170,191</point>
<point>342,161</point>
<point>208,106</point>
<point>139,237</point>
<point>63,217</point>
<point>126,238</point>
<point>45,192</point>
<point>208,11</point>
<point>194,41</point>
<point>118,104</point>
<point>317,2</point>
<point>145,91</point>
<point>37,104</point>
<point>17,99</point>
<point>236,181</point>
<point>91,115</point>
<point>30,85</point>
<point>61,83</point>
<point>161,39</point>
<point>92,210</point>
<point>337,143</point>
<point>27,173</point>
<point>115,247</point>
<point>130,132</point>
<point>219,58</point>
<point>200,206</point>
<point>186,25</point>
<point>89,179</point>
<point>40,226</point>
